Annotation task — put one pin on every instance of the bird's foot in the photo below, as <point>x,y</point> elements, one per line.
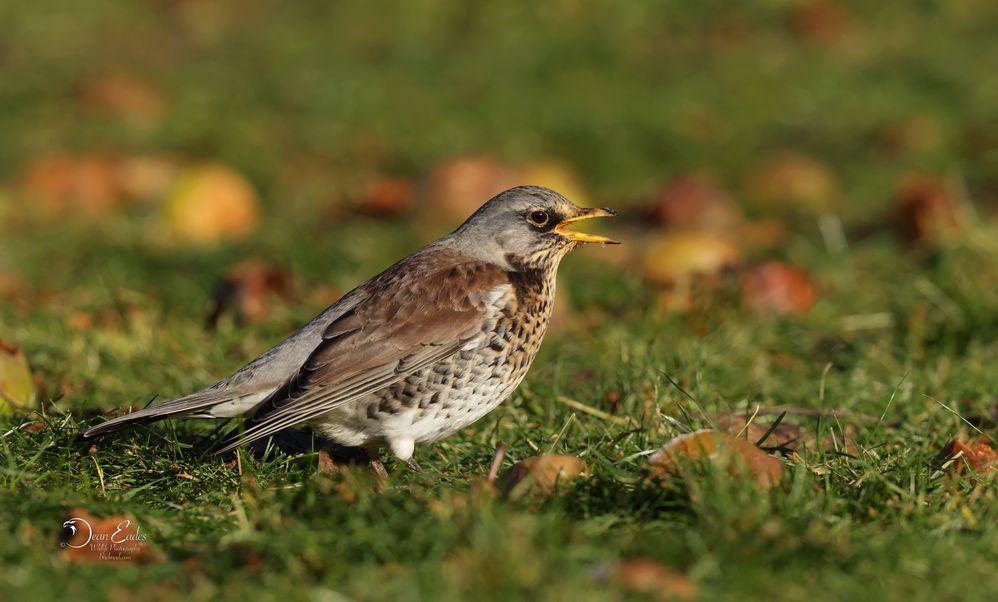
<point>413,465</point>
<point>379,468</point>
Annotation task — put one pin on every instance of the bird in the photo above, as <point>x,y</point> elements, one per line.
<point>418,352</point>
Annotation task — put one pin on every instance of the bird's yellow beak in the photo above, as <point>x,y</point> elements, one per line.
<point>573,236</point>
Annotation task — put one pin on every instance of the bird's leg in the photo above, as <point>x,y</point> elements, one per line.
<point>379,468</point>
<point>413,465</point>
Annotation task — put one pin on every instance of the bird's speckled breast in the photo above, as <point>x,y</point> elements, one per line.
<point>434,402</point>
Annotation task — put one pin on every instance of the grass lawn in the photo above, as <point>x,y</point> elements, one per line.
<point>311,100</point>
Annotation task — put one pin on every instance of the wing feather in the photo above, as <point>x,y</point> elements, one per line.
<point>413,318</point>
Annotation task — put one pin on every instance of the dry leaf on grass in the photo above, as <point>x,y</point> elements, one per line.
<point>785,435</point>
<point>80,185</point>
<point>732,453</point>
<point>457,188</point>
<point>645,576</point>
<point>541,476</point>
<point>387,197</point>
<point>126,96</point>
<point>926,209</point>
<point>777,288</point>
<point>17,387</point>
<point>694,201</point>
<point>980,456</point>
<point>249,288</point>
<point>822,21</point>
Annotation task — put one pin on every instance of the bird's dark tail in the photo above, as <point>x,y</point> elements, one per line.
<point>183,405</point>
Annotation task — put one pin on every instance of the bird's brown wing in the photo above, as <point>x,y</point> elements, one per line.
<point>416,314</point>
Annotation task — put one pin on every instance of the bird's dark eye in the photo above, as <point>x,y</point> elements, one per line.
<point>539,218</point>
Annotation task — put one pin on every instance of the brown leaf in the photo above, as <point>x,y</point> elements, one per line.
<point>212,204</point>
<point>249,287</point>
<point>645,576</point>
<point>89,539</point>
<point>694,201</point>
<point>732,453</point>
<point>79,185</point>
<point>777,288</point>
<point>784,435</point>
<point>457,188</point>
<point>541,476</point>
<point>925,209</point>
<point>387,197</point>
<point>17,387</point>
<point>824,21</point>
<point>126,96</point>
<point>80,321</point>
<point>980,456</point>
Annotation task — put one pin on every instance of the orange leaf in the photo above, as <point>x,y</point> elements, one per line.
<point>540,476</point>
<point>733,453</point>
<point>645,576</point>
<point>980,456</point>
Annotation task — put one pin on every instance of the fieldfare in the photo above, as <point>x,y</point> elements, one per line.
<point>418,352</point>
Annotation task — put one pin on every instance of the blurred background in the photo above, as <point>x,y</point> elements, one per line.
<point>173,171</point>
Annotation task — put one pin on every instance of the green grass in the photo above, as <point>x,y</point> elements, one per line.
<point>308,99</point>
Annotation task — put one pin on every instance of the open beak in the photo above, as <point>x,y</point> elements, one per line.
<point>573,236</point>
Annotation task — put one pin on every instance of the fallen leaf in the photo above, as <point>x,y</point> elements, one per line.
<point>541,476</point>
<point>694,201</point>
<point>784,435</point>
<point>823,21</point>
<point>679,255</point>
<point>732,453</point>
<point>114,539</point>
<point>249,287</point>
<point>73,185</point>
<point>980,456</point>
<point>457,188</point>
<point>777,288</point>
<point>212,204</point>
<point>387,197</point>
<point>794,183</point>
<point>126,96</point>
<point>925,210</point>
<point>80,321</point>
<point>645,576</point>
<point>17,387</point>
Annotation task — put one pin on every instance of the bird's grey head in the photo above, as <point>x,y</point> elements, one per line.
<point>525,228</point>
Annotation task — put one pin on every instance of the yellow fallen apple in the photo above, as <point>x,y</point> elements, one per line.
<point>212,204</point>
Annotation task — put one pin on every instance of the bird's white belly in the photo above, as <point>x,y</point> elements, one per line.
<point>351,424</point>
